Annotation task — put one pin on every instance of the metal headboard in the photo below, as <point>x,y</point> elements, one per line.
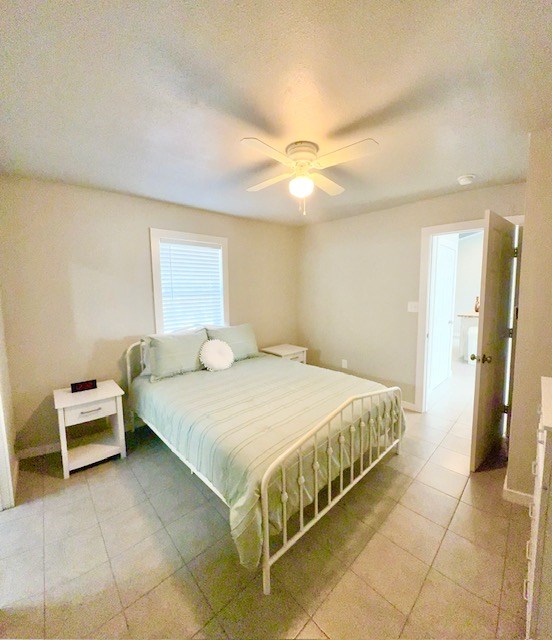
<point>129,355</point>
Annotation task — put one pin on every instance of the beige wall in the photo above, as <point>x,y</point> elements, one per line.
<point>8,461</point>
<point>534,338</point>
<point>358,274</point>
<point>77,289</point>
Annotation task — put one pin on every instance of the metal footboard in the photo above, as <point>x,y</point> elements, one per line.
<point>334,455</point>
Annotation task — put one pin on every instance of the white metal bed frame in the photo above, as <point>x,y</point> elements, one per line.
<point>375,440</point>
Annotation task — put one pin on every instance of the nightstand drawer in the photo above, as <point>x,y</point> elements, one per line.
<point>90,411</point>
<point>298,357</point>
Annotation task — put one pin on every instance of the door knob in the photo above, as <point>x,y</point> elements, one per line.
<point>483,359</point>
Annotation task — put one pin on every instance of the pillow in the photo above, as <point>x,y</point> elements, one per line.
<point>216,355</point>
<point>241,339</point>
<point>173,354</point>
<point>146,371</point>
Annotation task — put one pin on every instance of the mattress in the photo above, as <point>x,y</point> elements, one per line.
<point>231,425</point>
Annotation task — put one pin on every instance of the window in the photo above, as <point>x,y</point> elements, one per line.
<point>190,283</point>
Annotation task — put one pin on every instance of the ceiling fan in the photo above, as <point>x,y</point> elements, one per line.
<point>303,161</point>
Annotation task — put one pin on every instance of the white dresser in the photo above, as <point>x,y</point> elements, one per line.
<point>539,547</point>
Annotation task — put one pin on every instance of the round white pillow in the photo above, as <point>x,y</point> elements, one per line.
<point>216,355</point>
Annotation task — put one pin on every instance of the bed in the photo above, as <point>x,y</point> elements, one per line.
<point>278,441</point>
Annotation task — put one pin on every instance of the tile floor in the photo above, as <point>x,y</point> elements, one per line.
<point>140,549</point>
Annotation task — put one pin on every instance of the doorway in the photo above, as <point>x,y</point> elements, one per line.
<point>454,373</point>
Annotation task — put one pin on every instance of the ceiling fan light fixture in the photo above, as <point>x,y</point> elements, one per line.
<point>301,186</point>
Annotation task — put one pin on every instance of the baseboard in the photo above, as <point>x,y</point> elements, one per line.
<point>410,406</point>
<point>42,450</point>
<point>517,497</point>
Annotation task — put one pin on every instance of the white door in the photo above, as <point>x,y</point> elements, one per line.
<point>444,258</point>
<point>494,336</point>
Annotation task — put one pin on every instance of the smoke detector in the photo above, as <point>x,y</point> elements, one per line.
<point>467,179</point>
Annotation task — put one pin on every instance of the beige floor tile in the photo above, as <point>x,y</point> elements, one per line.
<point>474,568</point>
<point>129,527</point>
<point>486,495</point>
<point>308,572</point>
<point>418,432</point>
<point>144,566</point>
<point>413,533</point>
<point>383,481</point>
<point>519,514</point>
<point>451,460</point>
<point>419,448</point>
<point>59,491</point>
<point>111,498</point>
<point>371,509</point>
<point>114,628</point>
<point>21,576</point>
<point>355,611</point>
<point>462,430</point>
<point>430,503</point>
<point>23,619</point>
<point>435,421</point>
<point>342,534</point>
<point>481,528</point>
<point>17,536</point>
<point>211,631</point>
<point>71,557</point>
<point>446,610</point>
<point>219,573</point>
<point>457,443</point>
<point>68,518</point>
<point>254,615</point>
<point>510,627</point>
<point>518,534</point>
<point>110,471</point>
<point>197,530</point>
<point>444,480</point>
<point>25,507</point>
<point>311,631</point>
<point>394,573</point>
<point>512,587</point>
<point>408,464</point>
<point>175,502</point>
<point>176,608</point>
<point>157,475</point>
<point>78,607</point>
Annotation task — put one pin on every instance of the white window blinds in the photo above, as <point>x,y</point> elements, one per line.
<point>191,283</point>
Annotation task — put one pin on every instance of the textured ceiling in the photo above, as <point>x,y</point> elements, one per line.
<point>153,97</point>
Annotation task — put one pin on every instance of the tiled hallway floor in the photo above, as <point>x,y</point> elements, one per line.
<point>140,549</point>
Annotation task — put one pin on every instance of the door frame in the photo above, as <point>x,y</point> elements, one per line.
<point>420,397</point>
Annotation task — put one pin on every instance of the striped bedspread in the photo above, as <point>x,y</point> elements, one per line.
<point>230,425</point>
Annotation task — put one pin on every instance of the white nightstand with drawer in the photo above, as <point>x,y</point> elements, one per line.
<point>288,351</point>
<point>84,406</point>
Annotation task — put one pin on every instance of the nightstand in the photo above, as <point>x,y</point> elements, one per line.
<point>84,406</point>
<point>288,351</point>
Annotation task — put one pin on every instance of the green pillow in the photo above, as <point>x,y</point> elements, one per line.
<point>173,354</point>
<point>241,339</point>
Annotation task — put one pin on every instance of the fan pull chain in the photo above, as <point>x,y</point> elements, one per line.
<point>303,207</point>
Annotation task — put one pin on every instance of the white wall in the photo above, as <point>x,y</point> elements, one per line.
<point>8,461</point>
<point>534,336</point>
<point>77,285</point>
<point>358,274</point>
<point>468,276</point>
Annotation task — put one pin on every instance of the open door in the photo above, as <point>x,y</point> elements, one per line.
<point>494,336</point>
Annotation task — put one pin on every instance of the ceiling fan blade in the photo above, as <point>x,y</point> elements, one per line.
<point>269,182</point>
<point>327,185</point>
<point>258,145</point>
<point>350,152</point>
